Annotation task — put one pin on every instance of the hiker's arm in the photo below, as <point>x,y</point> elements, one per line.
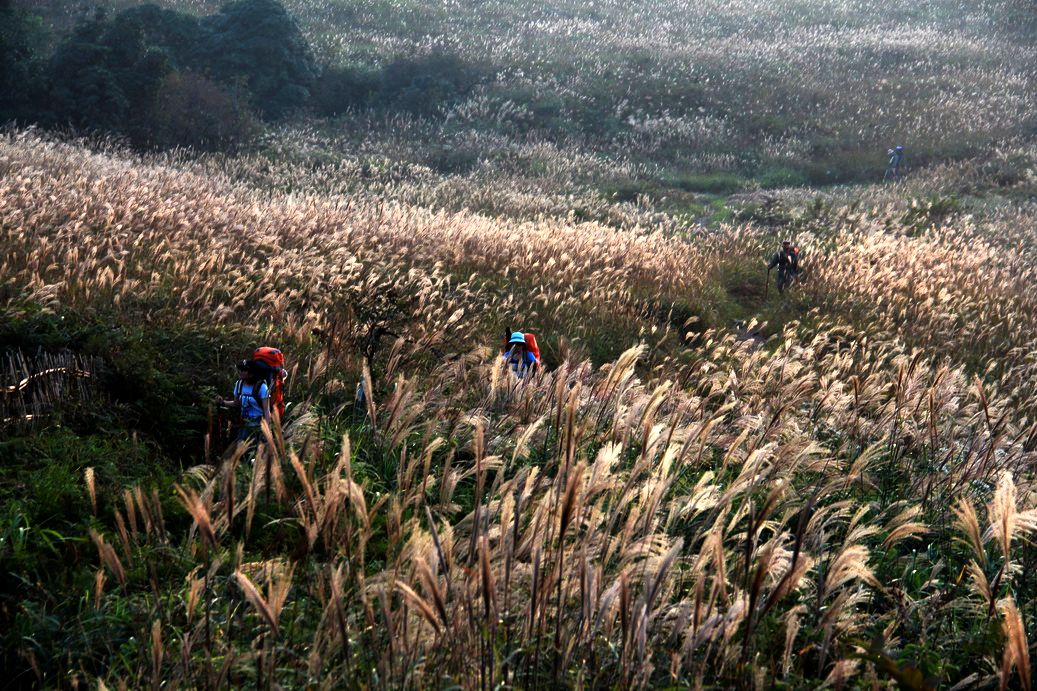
<point>774,262</point>
<point>228,402</point>
<point>266,411</point>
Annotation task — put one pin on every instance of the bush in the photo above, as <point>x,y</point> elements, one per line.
<point>108,72</point>
<point>1006,172</point>
<point>257,43</point>
<point>423,84</point>
<point>341,89</point>
<point>192,111</point>
<point>712,183</point>
<point>166,78</point>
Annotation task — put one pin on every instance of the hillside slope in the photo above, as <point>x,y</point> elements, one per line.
<point>843,495</point>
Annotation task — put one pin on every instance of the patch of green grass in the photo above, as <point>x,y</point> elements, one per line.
<point>709,183</point>
<point>44,469</point>
<point>156,379</point>
<point>776,178</point>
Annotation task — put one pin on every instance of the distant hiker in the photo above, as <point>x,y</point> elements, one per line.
<point>896,158</point>
<point>251,398</point>
<point>359,402</point>
<point>787,261</point>
<point>521,354</point>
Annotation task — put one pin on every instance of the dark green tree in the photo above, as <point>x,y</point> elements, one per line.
<point>108,72</point>
<point>83,89</point>
<point>256,44</point>
<point>21,67</point>
<point>176,34</point>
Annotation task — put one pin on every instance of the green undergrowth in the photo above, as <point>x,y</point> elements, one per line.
<point>156,379</point>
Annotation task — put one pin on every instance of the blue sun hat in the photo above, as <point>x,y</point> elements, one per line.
<point>517,337</point>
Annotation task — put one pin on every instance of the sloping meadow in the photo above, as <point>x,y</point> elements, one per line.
<point>86,229</point>
<point>836,505</point>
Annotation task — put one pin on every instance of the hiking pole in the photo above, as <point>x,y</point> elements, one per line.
<point>767,285</point>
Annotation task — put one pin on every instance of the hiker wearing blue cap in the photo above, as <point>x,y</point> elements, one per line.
<point>519,356</point>
<point>896,158</point>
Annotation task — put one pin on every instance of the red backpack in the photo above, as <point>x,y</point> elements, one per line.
<point>531,346</point>
<point>271,362</point>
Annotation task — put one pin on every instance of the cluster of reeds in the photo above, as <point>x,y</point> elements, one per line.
<point>593,528</point>
<point>81,228</point>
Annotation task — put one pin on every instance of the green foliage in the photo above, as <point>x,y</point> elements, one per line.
<point>156,380</point>
<point>766,211</point>
<point>927,213</point>
<point>711,183</point>
<point>83,89</point>
<point>339,90</point>
<point>108,72</point>
<point>43,471</point>
<point>776,178</point>
<point>190,110</point>
<point>416,84</point>
<point>257,44</point>
<point>1007,172</point>
<point>425,83</point>
<point>21,65</point>
<point>161,77</point>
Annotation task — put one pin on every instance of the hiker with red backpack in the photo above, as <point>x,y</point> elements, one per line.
<point>521,354</point>
<point>270,365</point>
<point>259,391</point>
<point>251,398</point>
<point>787,261</point>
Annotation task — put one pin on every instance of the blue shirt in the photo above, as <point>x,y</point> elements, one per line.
<point>251,406</point>
<point>520,365</point>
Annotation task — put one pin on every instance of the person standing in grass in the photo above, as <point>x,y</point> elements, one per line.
<point>787,261</point>
<point>896,158</point>
<point>251,398</point>
<point>518,357</point>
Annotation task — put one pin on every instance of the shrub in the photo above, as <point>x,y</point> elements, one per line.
<point>781,177</point>
<point>341,89</point>
<point>712,183</point>
<point>108,72</point>
<point>422,84</point>
<point>166,78</point>
<point>1006,172</point>
<point>192,111</point>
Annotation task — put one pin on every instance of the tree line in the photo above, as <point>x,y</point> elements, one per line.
<point>164,78</point>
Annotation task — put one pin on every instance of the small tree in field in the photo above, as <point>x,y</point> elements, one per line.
<point>192,111</point>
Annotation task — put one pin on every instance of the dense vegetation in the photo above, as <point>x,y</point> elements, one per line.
<point>162,77</point>
<point>700,97</point>
<point>709,485</point>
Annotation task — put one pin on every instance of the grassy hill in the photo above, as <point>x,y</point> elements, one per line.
<point>708,485</point>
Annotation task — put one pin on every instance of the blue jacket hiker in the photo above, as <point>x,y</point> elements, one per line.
<point>251,398</point>
<point>518,357</point>
<point>896,159</point>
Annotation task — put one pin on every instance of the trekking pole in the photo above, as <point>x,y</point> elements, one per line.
<point>767,285</point>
